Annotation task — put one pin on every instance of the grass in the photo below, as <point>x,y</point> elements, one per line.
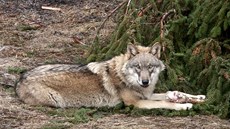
<point>30,54</point>
<point>50,61</point>
<point>76,115</point>
<point>56,125</point>
<point>73,115</point>
<point>25,27</point>
<point>15,70</point>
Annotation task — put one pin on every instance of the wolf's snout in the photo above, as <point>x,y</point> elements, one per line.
<point>145,83</point>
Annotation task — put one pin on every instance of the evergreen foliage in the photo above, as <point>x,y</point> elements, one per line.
<point>197,46</point>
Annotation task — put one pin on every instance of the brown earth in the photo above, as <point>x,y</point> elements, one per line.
<point>31,36</point>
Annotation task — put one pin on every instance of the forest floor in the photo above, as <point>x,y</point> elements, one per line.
<point>31,36</point>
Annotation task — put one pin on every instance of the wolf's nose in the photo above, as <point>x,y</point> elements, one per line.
<point>145,82</point>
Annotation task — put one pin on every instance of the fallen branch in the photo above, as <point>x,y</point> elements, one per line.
<point>51,8</point>
<point>162,26</point>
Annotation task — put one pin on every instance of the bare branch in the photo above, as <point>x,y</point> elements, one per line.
<point>162,26</point>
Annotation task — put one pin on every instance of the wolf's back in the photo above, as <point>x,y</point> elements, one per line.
<point>49,70</point>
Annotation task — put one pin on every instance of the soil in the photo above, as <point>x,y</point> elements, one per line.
<point>31,36</point>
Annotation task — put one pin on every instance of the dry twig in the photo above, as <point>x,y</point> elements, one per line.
<point>77,40</point>
<point>51,8</point>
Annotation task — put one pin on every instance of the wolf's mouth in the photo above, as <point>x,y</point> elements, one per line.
<point>145,86</point>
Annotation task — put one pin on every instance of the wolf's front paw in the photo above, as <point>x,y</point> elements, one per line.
<point>172,96</point>
<point>176,97</point>
<point>184,106</point>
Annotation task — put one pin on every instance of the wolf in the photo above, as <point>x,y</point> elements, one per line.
<point>130,77</point>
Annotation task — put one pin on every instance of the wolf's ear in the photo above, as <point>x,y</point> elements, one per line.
<point>132,49</point>
<point>156,50</point>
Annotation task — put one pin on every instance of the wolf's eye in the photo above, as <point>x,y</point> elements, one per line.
<point>137,66</point>
<point>151,66</point>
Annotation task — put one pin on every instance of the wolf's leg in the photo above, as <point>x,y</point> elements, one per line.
<point>149,104</point>
<point>180,97</point>
<point>161,96</point>
<point>130,98</point>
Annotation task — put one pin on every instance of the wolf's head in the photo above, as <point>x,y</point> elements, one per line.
<point>143,67</point>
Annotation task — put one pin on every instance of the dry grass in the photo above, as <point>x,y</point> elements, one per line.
<point>30,36</point>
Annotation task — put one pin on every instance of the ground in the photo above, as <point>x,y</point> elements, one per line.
<point>31,36</point>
